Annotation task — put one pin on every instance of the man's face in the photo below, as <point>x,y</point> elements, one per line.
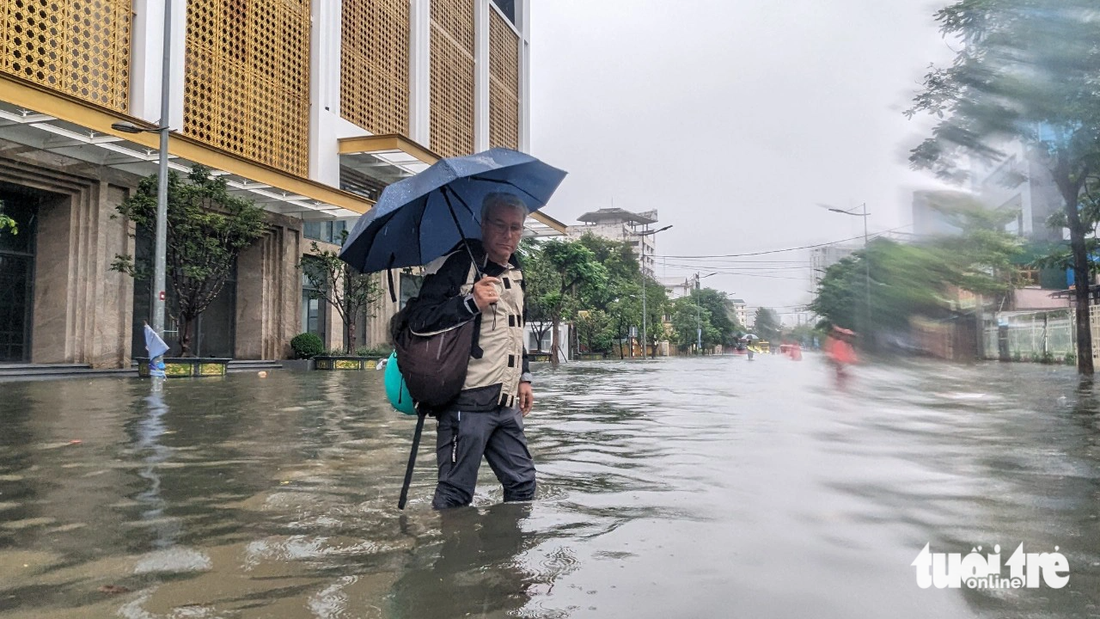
<point>501,231</point>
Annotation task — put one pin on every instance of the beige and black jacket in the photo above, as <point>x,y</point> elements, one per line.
<point>498,360</point>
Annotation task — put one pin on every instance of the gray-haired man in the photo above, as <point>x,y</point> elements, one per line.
<point>486,418</point>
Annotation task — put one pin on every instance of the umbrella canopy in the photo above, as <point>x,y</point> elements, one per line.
<point>420,218</point>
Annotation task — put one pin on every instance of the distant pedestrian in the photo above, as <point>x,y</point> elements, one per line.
<point>838,348</point>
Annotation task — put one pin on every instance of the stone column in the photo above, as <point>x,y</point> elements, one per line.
<point>82,309</point>
<point>268,292</point>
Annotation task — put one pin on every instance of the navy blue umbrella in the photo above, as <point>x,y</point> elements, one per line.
<point>420,218</point>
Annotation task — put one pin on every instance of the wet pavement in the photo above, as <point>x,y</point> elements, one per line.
<point>705,487</point>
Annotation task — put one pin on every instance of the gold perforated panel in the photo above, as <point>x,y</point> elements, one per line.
<point>374,65</point>
<point>503,83</point>
<point>246,88</point>
<point>78,47</point>
<point>452,122</point>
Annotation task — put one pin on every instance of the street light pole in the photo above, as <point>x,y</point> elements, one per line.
<point>866,264</point>
<point>160,249</point>
<point>641,264</point>
<point>160,266</point>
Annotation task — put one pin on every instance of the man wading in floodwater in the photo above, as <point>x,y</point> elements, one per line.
<point>486,417</point>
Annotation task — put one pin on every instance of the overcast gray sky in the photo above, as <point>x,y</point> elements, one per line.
<point>734,119</point>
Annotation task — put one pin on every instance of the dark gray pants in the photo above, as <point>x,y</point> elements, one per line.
<point>463,437</point>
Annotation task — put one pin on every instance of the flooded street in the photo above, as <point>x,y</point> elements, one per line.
<point>693,487</point>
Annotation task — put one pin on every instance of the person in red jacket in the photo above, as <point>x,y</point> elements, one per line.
<point>838,347</point>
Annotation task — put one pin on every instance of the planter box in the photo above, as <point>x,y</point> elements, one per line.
<point>346,363</point>
<point>186,367</point>
<point>592,356</point>
<point>538,356</point>
<point>297,365</point>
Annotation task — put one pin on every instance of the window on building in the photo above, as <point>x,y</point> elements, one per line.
<point>1026,278</point>
<point>331,231</point>
<point>313,309</point>
<point>508,7</point>
<point>17,252</point>
<point>533,341</point>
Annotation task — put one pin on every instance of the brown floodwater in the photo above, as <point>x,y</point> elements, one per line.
<point>693,487</point>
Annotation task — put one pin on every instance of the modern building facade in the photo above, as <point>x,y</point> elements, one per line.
<point>307,107</point>
<point>1019,183</point>
<point>618,224</point>
<point>821,258</point>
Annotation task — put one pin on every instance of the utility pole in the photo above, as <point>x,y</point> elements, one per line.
<point>699,312</point>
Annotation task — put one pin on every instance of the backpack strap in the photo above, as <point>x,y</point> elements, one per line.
<point>476,351</point>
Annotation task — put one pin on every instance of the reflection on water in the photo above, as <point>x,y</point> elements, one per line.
<point>683,487</point>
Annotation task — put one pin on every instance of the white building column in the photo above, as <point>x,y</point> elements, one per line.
<point>420,72</point>
<point>523,13</point>
<point>481,75</point>
<point>324,91</point>
<point>147,56</point>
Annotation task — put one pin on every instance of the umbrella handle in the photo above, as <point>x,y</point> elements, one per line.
<point>465,242</point>
<point>412,461</point>
<point>389,275</point>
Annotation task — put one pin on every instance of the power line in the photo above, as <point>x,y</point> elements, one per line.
<point>778,251</point>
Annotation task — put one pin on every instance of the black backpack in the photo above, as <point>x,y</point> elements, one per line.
<point>433,366</point>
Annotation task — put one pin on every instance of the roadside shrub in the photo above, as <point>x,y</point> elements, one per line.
<point>376,351</point>
<point>1016,356</point>
<point>1048,357</point>
<point>306,345</point>
<point>1070,358</point>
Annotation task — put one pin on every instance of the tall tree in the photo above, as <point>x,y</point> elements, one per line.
<point>621,295</point>
<point>691,321</point>
<point>207,229</point>
<point>574,266</point>
<point>722,316</point>
<point>909,280</point>
<point>339,285</point>
<point>1026,71</point>
<point>766,324</point>
<point>538,282</point>
<point>593,333</point>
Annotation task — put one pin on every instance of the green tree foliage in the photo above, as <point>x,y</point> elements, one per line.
<point>574,268</point>
<point>7,223</point>
<point>1026,70</point>
<point>689,315</point>
<point>207,229</point>
<point>656,307</point>
<point>909,280</point>
<point>604,306</point>
<point>722,316</point>
<point>766,325</point>
<point>594,332</point>
<point>338,284</point>
<point>621,297</point>
<point>539,280</point>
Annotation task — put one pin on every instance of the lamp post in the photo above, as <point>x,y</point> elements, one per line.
<point>641,243</point>
<point>866,261</point>
<point>699,313</point>
<point>161,248</point>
